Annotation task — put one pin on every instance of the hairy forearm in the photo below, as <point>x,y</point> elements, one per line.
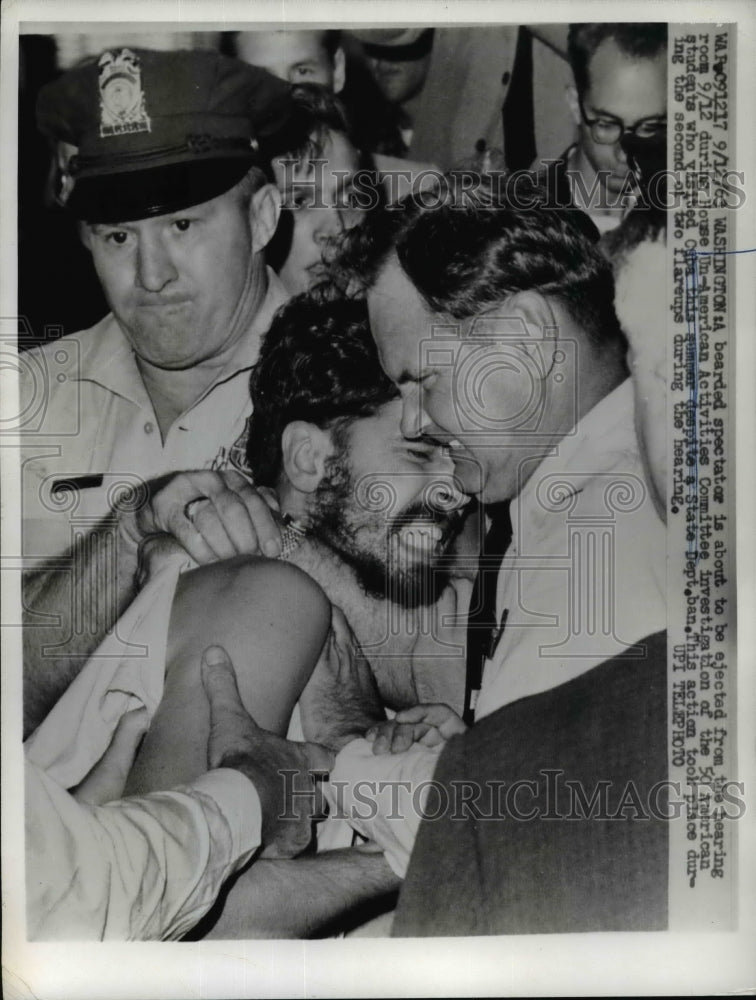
<point>69,606</point>
<point>301,897</point>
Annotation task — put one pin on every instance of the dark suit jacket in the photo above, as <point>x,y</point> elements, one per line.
<point>477,875</point>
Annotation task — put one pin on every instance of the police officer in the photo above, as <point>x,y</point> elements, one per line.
<point>170,187</point>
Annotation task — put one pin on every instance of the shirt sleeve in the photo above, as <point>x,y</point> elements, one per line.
<point>144,868</point>
<point>384,797</point>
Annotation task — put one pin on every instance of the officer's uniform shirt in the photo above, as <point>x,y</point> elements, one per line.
<point>89,428</point>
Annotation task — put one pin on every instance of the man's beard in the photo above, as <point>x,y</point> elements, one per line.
<point>369,541</point>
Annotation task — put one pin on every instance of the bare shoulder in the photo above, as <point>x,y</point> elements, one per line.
<point>272,619</point>
<point>253,598</point>
<point>254,581</point>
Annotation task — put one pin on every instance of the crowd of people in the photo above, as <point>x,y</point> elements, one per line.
<point>351,508</point>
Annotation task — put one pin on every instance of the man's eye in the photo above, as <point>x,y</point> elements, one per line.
<point>303,71</point>
<point>182,224</point>
<point>647,130</point>
<point>421,455</point>
<point>117,237</point>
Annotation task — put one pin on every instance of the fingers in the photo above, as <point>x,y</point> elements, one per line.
<point>166,513</point>
<point>441,717</point>
<point>415,714</point>
<point>257,504</point>
<point>451,726</point>
<point>395,737</point>
<point>206,528</point>
<point>214,515</point>
<point>426,724</point>
<point>230,723</point>
<point>106,781</point>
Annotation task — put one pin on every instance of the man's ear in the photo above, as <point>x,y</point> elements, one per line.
<point>526,318</point>
<point>529,320</point>
<point>339,71</point>
<point>543,319</point>
<point>305,448</point>
<point>264,210</point>
<point>573,103</point>
<point>85,235</point>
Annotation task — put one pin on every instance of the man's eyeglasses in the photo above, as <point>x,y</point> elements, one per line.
<point>607,131</point>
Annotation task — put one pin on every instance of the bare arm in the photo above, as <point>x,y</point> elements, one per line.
<point>273,621</point>
<point>72,603</point>
<point>304,897</point>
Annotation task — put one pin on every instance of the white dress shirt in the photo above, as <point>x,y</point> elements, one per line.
<point>144,868</point>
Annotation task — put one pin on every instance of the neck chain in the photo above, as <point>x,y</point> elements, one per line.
<point>292,536</point>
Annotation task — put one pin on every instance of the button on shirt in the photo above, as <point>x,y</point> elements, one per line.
<point>85,413</point>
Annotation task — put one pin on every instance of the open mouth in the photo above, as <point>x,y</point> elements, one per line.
<point>427,536</point>
<point>421,538</point>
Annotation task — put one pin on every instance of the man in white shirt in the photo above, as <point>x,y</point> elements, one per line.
<point>175,207</point>
<point>101,867</point>
<point>497,323</point>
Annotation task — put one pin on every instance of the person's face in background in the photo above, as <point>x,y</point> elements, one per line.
<point>621,89</point>
<point>400,81</point>
<point>296,56</point>
<point>316,202</point>
<point>60,182</point>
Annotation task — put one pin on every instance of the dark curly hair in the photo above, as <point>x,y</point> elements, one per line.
<point>318,363</point>
<point>638,41</point>
<point>467,251</point>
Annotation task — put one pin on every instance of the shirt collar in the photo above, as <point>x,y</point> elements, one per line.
<point>248,348</point>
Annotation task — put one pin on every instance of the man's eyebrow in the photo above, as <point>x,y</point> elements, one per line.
<point>404,377</point>
<point>99,227</point>
<point>603,113</point>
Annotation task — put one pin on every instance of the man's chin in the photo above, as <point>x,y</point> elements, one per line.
<point>420,588</point>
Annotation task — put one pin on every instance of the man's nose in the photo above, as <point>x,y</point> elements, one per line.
<point>330,224</point>
<point>155,268</point>
<point>414,418</point>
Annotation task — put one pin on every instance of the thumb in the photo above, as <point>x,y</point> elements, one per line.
<point>229,720</point>
<point>417,713</point>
